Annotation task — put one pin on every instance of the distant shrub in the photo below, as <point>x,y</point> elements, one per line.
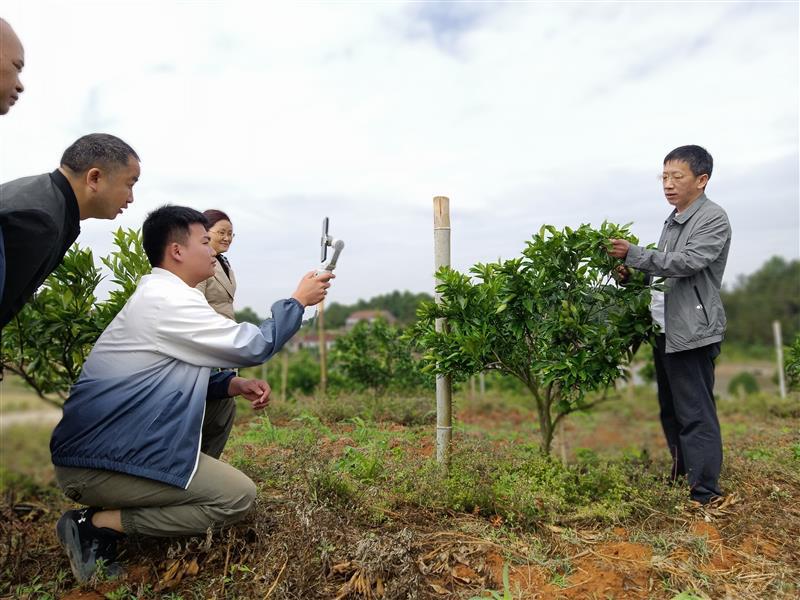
<point>742,384</point>
<point>648,372</point>
<point>792,365</point>
<point>376,356</point>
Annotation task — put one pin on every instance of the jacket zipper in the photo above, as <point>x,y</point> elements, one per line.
<point>703,306</point>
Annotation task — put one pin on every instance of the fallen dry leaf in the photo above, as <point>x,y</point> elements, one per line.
<point>193,568</point>
<point>173,574</point>
<point>342,567</point>
<point>439,589</point>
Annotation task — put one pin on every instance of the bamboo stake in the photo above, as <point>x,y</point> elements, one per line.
<point>444,389</point>
<point>323,359</point>
<point>284,373</point>
<point>776,330</point>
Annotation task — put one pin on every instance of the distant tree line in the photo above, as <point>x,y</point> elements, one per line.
<point>756,300</point>
<point>403,305</point>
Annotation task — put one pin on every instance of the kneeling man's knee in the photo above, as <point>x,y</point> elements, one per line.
<point>240,499</point>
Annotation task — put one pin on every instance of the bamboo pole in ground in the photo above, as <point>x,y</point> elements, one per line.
<point>323,351</point>
<point>284,372</point>
<point>444,388</point>
<point>776,332</point>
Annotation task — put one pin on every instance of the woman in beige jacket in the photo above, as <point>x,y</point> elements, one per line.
<point>219,290</point>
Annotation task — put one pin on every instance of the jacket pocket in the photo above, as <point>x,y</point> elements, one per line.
<point>74,492</point>
<point>700,304</point>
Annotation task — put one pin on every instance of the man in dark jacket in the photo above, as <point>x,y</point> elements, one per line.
<point>691,256</point>
<point>40,216</point>
<point>12,60</point>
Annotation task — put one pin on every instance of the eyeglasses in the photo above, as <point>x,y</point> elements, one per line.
<point>223,234</point>
<point>664,177</point>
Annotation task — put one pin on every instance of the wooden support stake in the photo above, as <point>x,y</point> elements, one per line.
<point>284,372</point>
<point>444,388</point>
<point>323,351</point>
<point>776,331</point>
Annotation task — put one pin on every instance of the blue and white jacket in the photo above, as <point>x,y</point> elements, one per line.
<point>138,405</point>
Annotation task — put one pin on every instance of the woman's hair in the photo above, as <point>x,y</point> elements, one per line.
<point>213,215</point>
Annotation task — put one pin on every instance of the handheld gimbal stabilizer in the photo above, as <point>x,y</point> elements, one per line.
<point>325,241</point>
<point>325,267</point>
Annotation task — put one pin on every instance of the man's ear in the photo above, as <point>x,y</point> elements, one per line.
<point>92,178</point>
<point>174,251</point>
<point>702,181</point>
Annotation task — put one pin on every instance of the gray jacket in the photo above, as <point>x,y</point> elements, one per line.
<point>691,255</point>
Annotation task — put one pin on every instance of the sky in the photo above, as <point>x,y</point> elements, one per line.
<point>521,113</point>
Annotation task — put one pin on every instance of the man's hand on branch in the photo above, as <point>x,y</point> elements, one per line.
<point>621,274</point>
<point>619,248</point>
<point>255,390</point>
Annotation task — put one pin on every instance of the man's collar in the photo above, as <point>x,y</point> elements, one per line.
<point>62,183</point>
<point>167,274</point>
<point>162,273</point>
<point>693,208</point>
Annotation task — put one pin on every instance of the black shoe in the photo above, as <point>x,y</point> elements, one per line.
<point>709,500</point>
<point>87,546</point>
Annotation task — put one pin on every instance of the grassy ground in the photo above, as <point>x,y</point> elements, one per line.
<point>352,505</point>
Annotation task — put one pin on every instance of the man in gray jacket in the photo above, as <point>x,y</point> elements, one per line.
<point>691,257</point>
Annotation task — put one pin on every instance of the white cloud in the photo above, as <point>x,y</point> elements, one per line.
<point>521,113</point>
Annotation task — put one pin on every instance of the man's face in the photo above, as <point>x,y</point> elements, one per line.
<point>12,60</point>
<point>681,186</point>
<point>198,255</point>
<point>113,189</point>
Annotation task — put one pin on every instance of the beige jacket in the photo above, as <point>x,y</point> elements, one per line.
<point>219,291</point>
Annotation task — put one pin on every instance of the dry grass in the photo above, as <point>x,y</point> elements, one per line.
<point>308,538</point>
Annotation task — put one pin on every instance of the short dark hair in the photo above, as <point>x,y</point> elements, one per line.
<point>214,216</point>
<point>97,150</point>
<point>697,157</point>
<point>166,225</point>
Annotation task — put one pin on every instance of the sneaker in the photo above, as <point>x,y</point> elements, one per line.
<point>88,548</point>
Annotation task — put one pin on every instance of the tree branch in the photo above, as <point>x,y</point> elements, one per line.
<point>30,381</point>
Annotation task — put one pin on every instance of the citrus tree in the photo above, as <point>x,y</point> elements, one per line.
<point>554,318</point>
<point>376,356</point>
<point>50,338</point>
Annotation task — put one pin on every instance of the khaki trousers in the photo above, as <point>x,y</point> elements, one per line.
<point>217,496</point>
